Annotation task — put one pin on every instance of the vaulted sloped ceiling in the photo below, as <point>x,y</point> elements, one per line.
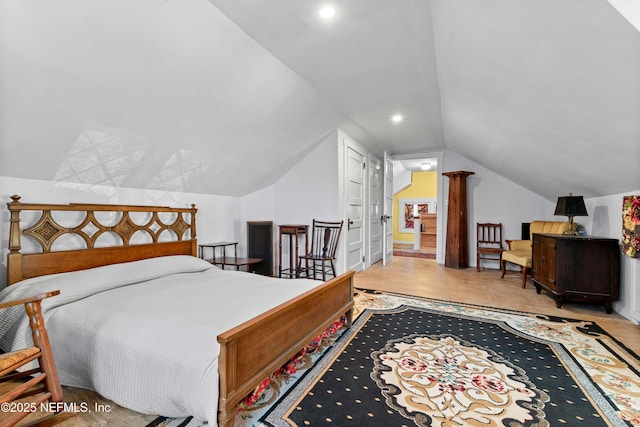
<point>548,95</point>
<point>220,96</point>
<point>166,95</point>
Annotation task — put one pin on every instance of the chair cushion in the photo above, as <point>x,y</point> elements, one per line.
<point>519,257</point>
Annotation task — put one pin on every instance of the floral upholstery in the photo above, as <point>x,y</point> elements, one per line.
<point>631,226</point>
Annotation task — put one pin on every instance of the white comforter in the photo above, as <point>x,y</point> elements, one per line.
<point>143,334</point>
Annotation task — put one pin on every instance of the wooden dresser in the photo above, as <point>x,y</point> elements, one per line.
<point>577,268</point>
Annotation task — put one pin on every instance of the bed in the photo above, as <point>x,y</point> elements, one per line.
<point>138,274</point>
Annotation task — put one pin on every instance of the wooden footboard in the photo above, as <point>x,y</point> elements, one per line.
<point>252,351</point>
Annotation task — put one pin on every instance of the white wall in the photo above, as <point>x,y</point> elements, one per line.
<point>310,189</point>
<point>216,218</point>
<point>605,220</point>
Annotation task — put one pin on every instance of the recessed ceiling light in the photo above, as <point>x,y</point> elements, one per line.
<point>327,12</point>
<point>397,118</point>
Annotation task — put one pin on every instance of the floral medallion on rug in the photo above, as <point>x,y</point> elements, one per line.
<point>413,361</point>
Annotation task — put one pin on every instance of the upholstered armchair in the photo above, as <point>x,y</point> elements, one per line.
<point>520,251</point>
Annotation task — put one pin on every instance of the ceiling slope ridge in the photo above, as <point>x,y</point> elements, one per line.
<point>438,77</point>
<point>629,9</point>
<point>351,126</point>
<point>366,67</point>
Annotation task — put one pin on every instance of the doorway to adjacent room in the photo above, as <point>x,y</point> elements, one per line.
<point>415,207</point>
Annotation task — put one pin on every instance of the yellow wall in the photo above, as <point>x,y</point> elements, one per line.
<point>424,185</point>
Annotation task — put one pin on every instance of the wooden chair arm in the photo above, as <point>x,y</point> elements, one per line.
<point>33,298</point>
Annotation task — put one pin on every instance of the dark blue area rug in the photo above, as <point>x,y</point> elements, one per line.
<point>411,361</point>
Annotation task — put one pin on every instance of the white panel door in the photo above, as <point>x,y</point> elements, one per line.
<point>387,208</point>
<point>375,209</point>
<point>355,173</point>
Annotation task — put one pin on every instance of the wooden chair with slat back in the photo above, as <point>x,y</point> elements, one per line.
<point>43,380</point>
<point>489,243</point>
<point>322,253</point>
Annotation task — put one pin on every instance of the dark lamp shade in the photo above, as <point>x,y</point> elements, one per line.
<point>571,206</point>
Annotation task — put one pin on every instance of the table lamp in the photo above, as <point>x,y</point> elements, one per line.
<point>571,206</point>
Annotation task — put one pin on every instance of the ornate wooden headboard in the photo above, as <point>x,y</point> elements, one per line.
<point>177,225</point>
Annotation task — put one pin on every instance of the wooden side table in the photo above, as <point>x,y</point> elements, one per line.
<point>239,262</point>
<point>223,249</point>
<point>224,259</point>
<point>293,233</point>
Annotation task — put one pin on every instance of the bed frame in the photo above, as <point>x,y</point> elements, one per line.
<point>249,352</point>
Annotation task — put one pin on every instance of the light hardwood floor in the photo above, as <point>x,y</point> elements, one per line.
<point>412,276</point>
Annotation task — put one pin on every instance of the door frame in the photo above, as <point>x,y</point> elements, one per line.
<point>442,205</point>
<point>343,138</point>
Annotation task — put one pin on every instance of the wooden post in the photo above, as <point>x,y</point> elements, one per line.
<point>456,252</point>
